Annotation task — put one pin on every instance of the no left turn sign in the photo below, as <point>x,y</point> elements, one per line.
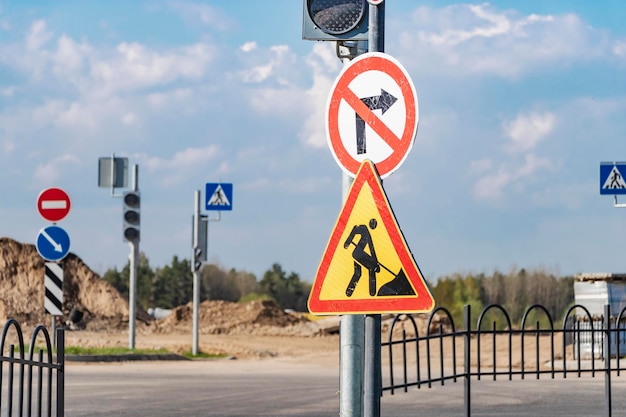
<point>372,113</point>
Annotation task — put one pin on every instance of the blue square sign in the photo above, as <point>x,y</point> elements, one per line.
<point>612,178</point>
<point>219,196</point>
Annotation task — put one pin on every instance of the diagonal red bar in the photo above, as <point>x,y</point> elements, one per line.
<point>370,118</point>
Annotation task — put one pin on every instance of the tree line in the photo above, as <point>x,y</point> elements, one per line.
<point>172,285</point>
<point>515,291</point>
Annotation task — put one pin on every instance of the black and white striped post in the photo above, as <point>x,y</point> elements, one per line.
<point>53,289</point>
<point>53,283</point>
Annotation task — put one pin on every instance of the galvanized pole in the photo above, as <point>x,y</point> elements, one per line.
<point>196,274</point>
<point>372,375</point>
<point>132,286</point>
<point>351,332</point>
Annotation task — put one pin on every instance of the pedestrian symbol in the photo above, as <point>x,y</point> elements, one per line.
<point>367,266</point>
<point>615,180</point>
<point>218,198</point>
<point>611,178</point>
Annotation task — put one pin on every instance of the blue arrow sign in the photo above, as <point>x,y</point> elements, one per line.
<point>612,178</point>
<point>53,243</point>
<point>219,196</point>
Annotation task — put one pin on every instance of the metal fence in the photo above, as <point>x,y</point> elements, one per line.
<point>494,348</point>
<point>27,383</point>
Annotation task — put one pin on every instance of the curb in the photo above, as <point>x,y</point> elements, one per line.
<point>128,357</point>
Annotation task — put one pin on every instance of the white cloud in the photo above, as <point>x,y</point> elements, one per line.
<point>183,158</point>
<point>136,66</point>
<point>490,25</point>
<point>493,186</point>
<point>248,47</point>
<point>172,172</point>
<point>619,48</point>
<point>275,61</point>
<point>325,66</point>
<point>527,130</point>
<point>129,118</point>
<point>38,35</point>
<point>203,14</point>
<point>481,165</point>
<point>172,97</point>
<point>70,56</point>
<point>7,92</point>
<point>49,172</point>
<point>462,40</point>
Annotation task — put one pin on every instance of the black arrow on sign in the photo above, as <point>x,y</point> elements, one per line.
<point>381,102</point>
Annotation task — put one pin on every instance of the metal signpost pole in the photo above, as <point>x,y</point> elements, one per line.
<point>132,290</point>
<point>372,378</point>
<point>196,274</point>
<point>352,336</point>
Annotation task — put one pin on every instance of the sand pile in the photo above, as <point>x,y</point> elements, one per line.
<point>104,309</point>
<point>262,317</point>
<point>22,291</point>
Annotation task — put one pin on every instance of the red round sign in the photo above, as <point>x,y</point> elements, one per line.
<point>53,204</point>
<point>372,113</point>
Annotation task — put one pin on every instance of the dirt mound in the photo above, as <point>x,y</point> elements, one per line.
<point>262,317</point>
<point>105,310</point>
<point>22,291</point>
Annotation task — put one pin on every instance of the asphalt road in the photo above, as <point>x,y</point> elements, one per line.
<point>283,388</point>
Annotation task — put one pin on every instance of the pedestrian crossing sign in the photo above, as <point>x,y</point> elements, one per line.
<point>612,178</point>
<point>367,267</point>
<point>219,196</point>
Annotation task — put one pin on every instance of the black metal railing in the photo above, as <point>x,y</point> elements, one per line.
<point>584,345</point>
<point>30,383</point>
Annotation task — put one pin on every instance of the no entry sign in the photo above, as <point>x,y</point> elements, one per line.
<point>372,113</point>
<point>53,204</point>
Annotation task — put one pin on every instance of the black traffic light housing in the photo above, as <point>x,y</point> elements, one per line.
<point>197,258</point>
<point>131,219</point>
<point>335,20</point>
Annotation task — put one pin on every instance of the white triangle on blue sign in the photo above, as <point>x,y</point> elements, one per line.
<point>218,198</point>
<point>615,180</point>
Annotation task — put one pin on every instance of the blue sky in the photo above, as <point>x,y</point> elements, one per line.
<point>519,104</point>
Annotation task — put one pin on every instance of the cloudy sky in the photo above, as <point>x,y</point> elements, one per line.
<point>518,105</point>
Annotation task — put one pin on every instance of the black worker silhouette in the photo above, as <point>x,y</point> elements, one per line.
<point>361,257</point>
<point>398,286</point>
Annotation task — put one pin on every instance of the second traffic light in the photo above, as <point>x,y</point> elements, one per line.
<point>335,20</point>
<point>198,255</point>
<point>131,216</point>
<point>199,244</point>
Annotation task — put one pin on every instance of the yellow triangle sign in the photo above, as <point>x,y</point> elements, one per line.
<point>367,267</point>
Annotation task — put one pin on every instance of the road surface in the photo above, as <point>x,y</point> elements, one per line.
<point>284,387</point>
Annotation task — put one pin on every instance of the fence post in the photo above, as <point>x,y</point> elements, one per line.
<point>60,339</point>
<point>607,359</point>
<point>466,362</point>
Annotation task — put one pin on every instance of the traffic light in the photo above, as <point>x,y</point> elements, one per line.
<point>197,258</point>
<point>132,203</point>
<point>199,244</point>
<point>335,20</point>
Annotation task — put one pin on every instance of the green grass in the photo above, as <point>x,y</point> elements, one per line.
<point>78,350</point>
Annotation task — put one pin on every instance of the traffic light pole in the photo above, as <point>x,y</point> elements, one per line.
<point>351,339</point>
<point>372,378</point>
<point>132,285</point>
<point>196,273</point>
